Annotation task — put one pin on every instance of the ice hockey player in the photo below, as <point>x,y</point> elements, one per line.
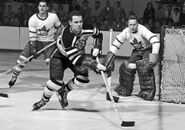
<point>43,28</point>
<point>143,58</point>
<point>71,54</point>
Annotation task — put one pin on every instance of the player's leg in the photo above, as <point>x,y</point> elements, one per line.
<point>52,85</point>
<point>80,80</point>
<point>127,75</point>
<point>146,77</point>
<point>126,79</point>
<point>21,63</point>
<point>48,52</point>
<point>146,81</point>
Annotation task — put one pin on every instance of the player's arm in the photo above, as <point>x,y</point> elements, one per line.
<point>33,37</point>
<point>98,36</point>
<point>153,39</point>
<point>110,57</point>
<point>58,25</point>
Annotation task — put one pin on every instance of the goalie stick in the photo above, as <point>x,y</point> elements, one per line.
<point>123,123</point>
<point>29,58</point>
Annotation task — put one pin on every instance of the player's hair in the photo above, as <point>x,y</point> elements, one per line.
<point>132,17</point>
<point>47,1</point>
<point>74,13</point>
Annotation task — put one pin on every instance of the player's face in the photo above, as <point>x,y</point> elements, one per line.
<point>76,24</point>
<point>42,7</point>
<point>133,24</point>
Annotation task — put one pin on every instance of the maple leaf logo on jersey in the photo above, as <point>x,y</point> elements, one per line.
<point>136,44</point>
<point>43,31</point>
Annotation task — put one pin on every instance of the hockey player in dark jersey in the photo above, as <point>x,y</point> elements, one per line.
<point>71,54</point>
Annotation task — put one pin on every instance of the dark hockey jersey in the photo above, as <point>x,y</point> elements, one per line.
<point>72,45</point>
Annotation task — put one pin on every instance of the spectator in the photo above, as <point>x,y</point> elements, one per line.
<point>93,22</point>
<point>170,22</point>
<point>96,11</point>
<point>73,5</point>
<point>20,15</point>
<point>118,11</point>
<point>62,14</point>
<point>149,13</point>
<point>51,9</point>
<point>85,10</point>
<point>151,25</point>
<point>118,25</point>
<point>157,27</point>
<point>8,11</point>
<point>6,21</point>
<point>105,26</point>
<point>141,21</point>
<point>108,12</point>
<point>14,21</point>
<point>175,15</point>
<point>123,17</point>
<point>159,12</point>
<point>168,11</point>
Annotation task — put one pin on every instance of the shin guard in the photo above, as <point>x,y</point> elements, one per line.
<point>126,79</point>
<point>146,81</point>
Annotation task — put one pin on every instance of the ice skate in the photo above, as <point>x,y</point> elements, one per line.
<point>62,95</point>
<point>38,104</point>
<point>12,81</point>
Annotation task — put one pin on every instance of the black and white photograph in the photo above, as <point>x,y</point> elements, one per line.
<point>92,64</point>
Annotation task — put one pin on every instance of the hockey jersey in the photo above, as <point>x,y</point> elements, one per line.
<point>72,45</point>
<point>140,40</point>
<point>43,29</point>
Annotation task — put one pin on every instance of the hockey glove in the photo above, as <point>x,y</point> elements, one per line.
<point>108,62</point>
<point>33,49</point>
<point>148,64</point>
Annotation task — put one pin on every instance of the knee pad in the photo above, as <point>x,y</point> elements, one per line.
<point>126,79</point>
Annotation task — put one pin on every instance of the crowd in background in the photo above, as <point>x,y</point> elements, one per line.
<point>103,16</point>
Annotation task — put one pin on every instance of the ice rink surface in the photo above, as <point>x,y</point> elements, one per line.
<point>88,109</point>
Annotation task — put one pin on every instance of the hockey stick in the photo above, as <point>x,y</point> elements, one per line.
<point>29,58</point>
<point>4,95</point>
<point>123,123</point>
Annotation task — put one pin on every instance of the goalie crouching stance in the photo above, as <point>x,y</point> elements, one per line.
<point>70,54</point>
<point>143,58</point>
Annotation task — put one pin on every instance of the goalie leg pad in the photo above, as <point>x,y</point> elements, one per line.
<point>126,79</point>
<point>146,81</point>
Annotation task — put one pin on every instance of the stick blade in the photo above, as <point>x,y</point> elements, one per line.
<point>128,123</point>
<point>4,95</point>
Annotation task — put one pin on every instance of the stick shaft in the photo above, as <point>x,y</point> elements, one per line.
<point>110,94</point>
<point>29,58</point>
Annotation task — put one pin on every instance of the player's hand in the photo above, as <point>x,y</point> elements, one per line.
<point>101,67</point>
<point>95,52</point>
<point>33,52</point>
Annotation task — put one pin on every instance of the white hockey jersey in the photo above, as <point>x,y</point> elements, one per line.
<point>43,29</point>
<point>140,40</point>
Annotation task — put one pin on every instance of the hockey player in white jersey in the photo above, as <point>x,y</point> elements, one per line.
<point>43,29</point>
<point>143,58</point>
